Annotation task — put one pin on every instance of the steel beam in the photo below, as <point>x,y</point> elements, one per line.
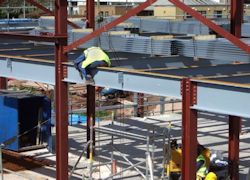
<point>90,114</point>
<point>235,40</point>
<point>61,92</point>
<point>234,140</point>
<point>90,89</point>
<point>224,98</point>
<point>140,105</point>
<point>108,26</point>
<point>189,130</point>
<point>235,122</point>
<point>44,9</point>
<point>31,37</point>
<point>3,83</point>
<point>236,17</point>
<point>90,14</point>
<point>227,99</point>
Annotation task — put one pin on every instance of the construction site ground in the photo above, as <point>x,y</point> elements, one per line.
<point>130,139</point>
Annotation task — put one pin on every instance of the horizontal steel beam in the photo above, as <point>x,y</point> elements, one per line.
<point>4,35</point>
<point>223,99</point>
<point>212,96</point>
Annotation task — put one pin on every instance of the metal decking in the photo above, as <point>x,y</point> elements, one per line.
<point>220,88</point>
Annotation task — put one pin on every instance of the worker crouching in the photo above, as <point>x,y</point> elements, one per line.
<point>91,58</point>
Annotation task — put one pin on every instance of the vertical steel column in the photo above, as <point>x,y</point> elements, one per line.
<point>90,115</point>
<point>237,7</point>
<point>61,92</point>
<point>140,105</point>
<point>234,139</point>
<point>3,83</point>
<point>189,130</point>
<point>90,89</point>
<point>90,13</point>
<point>236,17</point>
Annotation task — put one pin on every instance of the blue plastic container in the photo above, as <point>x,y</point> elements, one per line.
<point>19,114</point>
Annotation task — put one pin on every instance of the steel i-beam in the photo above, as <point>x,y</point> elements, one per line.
<point>90,89</point>
<point>61,92</point>
<point>235,122</point>
<point>91,14</point>
<point>234,140</point>
<point>90,115</point>
<point>189,129</point>
<point>140,105</point>
<point>3,83</point>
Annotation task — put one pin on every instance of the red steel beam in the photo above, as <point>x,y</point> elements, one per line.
<point>140,105</point>
<point>31,37</point>
<point>61,92</point>
<point>235,40</point>
<point>44,9</point>
<point>3,83</point>
<point>108,26</point>
<point>90,114</point>
<point>235,122</point>
<point>236,17</point>
<point>90,89</point>
<point>91,14</point>
<point>189,130</point>
<point>234,140</point>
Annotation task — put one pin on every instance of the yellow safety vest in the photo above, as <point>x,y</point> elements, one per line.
<point>95,54</point>
<point>201,173</point>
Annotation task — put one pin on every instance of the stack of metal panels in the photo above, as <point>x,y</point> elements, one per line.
<point>245,30</point>
<point>166,25</point>
<point>76,34</point>
<point>49,21</point>
<point>187,27</point>
<point>211,49</point>
<point>137,44</point>
<point>20,24</point>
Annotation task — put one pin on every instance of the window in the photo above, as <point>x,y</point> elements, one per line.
<point>203,13</point>
<point>73,3</point>
<point>218,14</point>
<point>106,13</point>
<point>188,16</point>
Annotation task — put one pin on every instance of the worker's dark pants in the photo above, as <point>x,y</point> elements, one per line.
<point>89,69</point>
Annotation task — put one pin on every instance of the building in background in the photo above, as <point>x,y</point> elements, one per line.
<point>162,8</point>
<point>209,8</point>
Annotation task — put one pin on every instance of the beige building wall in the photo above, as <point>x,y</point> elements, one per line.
<point>168,11</point>
<point>171,12</point>
<point>106,10</point>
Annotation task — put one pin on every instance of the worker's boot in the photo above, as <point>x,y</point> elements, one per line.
<point>89,80</point>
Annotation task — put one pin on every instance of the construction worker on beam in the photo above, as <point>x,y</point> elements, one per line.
<point>89,60</point>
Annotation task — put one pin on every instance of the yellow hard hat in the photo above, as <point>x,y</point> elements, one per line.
<point>211,176</point>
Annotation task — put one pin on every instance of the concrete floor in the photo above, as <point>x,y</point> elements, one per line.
<point>130,138</point>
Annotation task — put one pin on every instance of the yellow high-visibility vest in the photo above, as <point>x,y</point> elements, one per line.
<point>95,54</point>
<point>203,169</point>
